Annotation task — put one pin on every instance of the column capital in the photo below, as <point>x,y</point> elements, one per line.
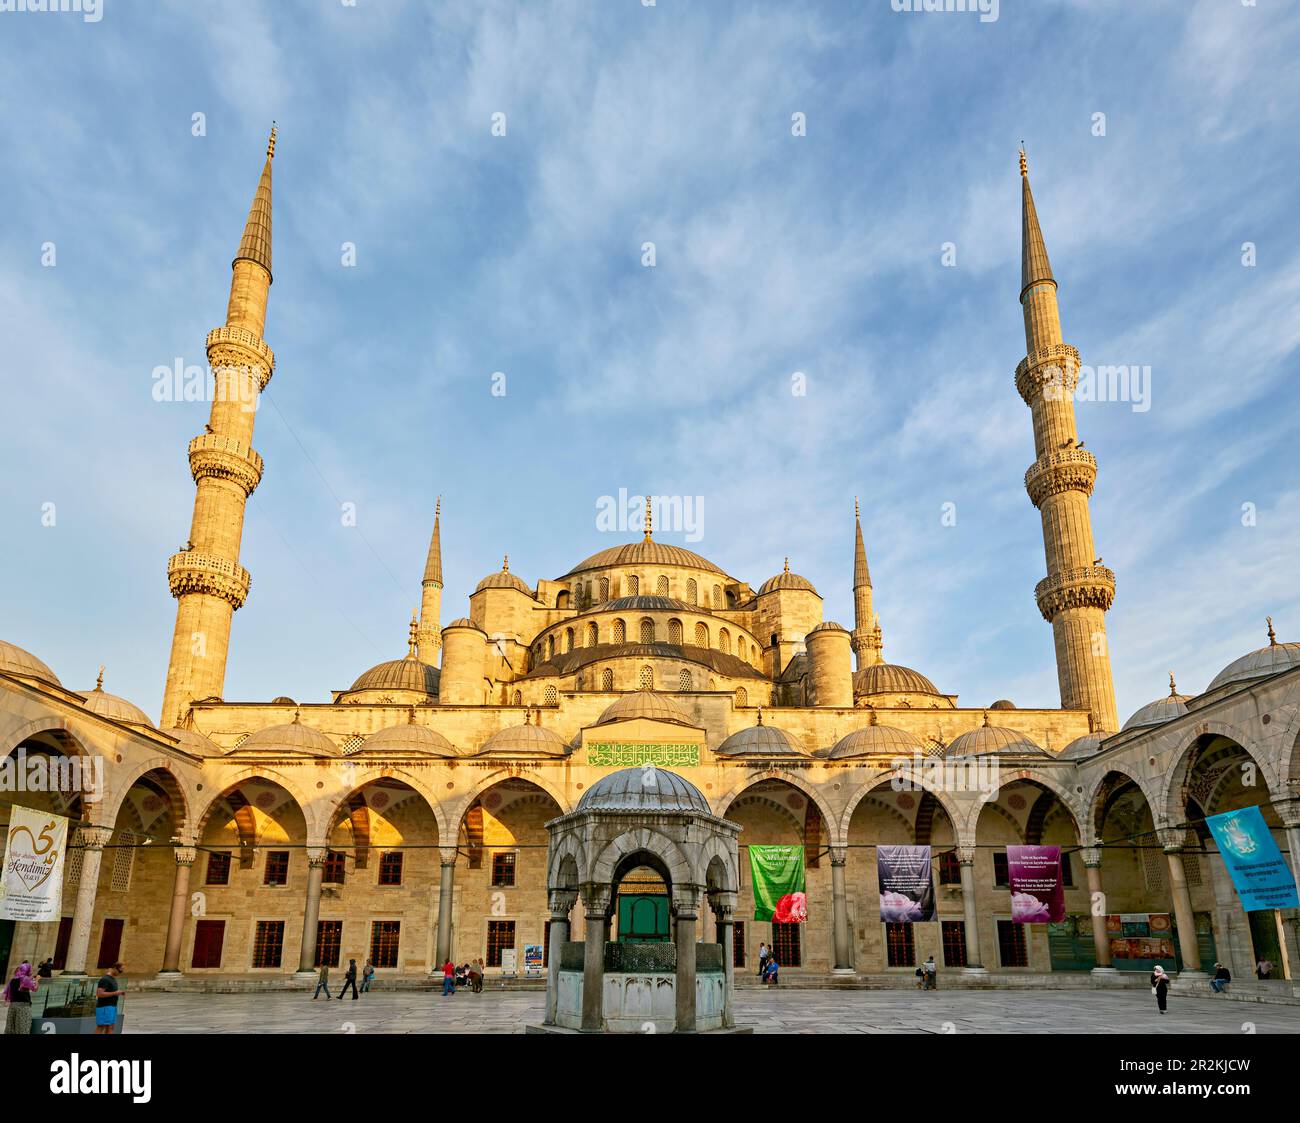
<point>686,901</point>
<point>1288,810</point>
<point>186,855</point>
<point>316,856</point>
<point>596,901</point>
<point>966,855</point>
<point>1173,840</point>
<point>839,855</point>
<point>561,902</point>
<point>1091,857</point>
<point>723,904</point>
<point>447,855</point>
<point>91,836</point>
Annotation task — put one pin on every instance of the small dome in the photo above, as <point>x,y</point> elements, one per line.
<point>292,737</point>
<point>1082,747</point>
<point>524,740</point>
<point>877,740</point>
<point>1164,709</point>
<point>649,604</point>
<point>628,790</point>
<point>891,678</point>
<point>15,660</point>
<point>400,674</point>
<point>788,581</point>
<point>406,737</point>
<point>645,552</point>
<point>1003,704</point>
<point>644,704</point>
<point>503,579</point>
<point>463,622</point>
<point>283,700</point>
<point>992,739</point>
<point>828,626</point>
<point>1270,660</point>
<point>99,701</point>
<point>762,740</point>
<point>192,741</point>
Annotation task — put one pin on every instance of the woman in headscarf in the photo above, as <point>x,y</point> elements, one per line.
<point>1160,986</point>
<point>18,997</point>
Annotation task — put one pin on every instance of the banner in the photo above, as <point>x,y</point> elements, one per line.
<point>779,893</point>
<point>1261,875</point>
<point>533,964</point>
<point>31,887</point>
<point>1037,891</point>
<point>906,884</point>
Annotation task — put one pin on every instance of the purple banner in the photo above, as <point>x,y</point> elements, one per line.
<point>906,887</point>
<point>1037,892</point>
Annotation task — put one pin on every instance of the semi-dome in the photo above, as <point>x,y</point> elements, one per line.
<point>877,740</point>
<point>15,660</point>
<point>638,789</point>
<point>1164,709</point>
<point>406,737</point>
<point>503,579</point>
<point>192,741</point>
<point>292,737</point>
<point>1265,661</point>
<point>1082,747</point>
<point>992,739</point>
<point>649,604</point>
<point>788,581</point>
<point>524,740</point>
<point>400,674</point>
<point>891,678</point>
<point>644,704</point>
<point>645,552</point>
<point>762,740</point>
<point>99,701</point>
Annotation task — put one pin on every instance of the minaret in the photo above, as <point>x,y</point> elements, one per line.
<point>1078,589</point>
<point>866,630</point>
<point>205,576</point>
<point>430,634</point>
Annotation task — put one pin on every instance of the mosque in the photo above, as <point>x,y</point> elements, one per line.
<point>243,843</point>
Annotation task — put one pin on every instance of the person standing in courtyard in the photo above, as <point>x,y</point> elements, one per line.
<point>1264,968</point>
<point>349,980</point>
<point>322,983</point>
<point>106,994</point>
<point>931,974</point>
<point>1160,986</point>
<point>763,956</point>
<point>367,976</point>
<point>448,978</point>
<point>18,997</point>
<point>1222,977</point>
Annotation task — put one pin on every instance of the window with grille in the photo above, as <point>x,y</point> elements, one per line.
<point>390,867</point>
<point>218,869</point>
<point>335,868</point>
<point>901,952</point>
<point>607,679</point>
<point>1001,874</point>
<point>620,632</point>
<point>593,635</point>
<point>954,943</point>
<point>633,586</point>
<point>123,862</point>
<point>785,944</point>
<point>701,635</point>
<point>500,935</point>
<point>568,639</point>
<point>724,641</point>
<point>647,631</point>
<point>604,589</point>
<point>717,596</point>
<point>551,696</point>
<point>683,681</point>
<point>329,942</point>
<point>277,868</point>
<point>384,938</point>
<point>675,632</point>
<point>550,647</point>
<point>661,586</point>
<point>518,699</point>
<point>738,944</point>
<point>692,592</point>
<point>647,679</point>
<point>268,943</point>
<point>503,870</point>
<point>209,936</point>
<point>353,742</point>
<point>949,868</point>
<point>1012,949</point>
<point>742,696</point>
<point>72,871</point>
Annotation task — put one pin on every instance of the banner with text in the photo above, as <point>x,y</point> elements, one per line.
<point>906,884</point>
<point>1261,875</point>
<point>1037,890</point>
<point>32,884</point>
<point>779,892</point>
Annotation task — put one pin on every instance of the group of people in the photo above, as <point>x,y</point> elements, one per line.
<point>26,982</point>
<point>768,967</point>
<point>349,980</point>
<point>927,975</point>
<point>466,975</point>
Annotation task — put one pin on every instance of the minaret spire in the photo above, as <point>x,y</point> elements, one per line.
<point>430,637</point>
<point>866,631</point>
<point>205,577</point>
<point>1078,589</point>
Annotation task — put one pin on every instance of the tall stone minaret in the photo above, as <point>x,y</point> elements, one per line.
<point>430,633</point>
<point>205,576</point>
<point>866,628</point>
<point>1078,589</point>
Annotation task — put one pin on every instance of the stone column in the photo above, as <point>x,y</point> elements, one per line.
<point>684,986</point>
<point>185,856</point>
<point>966,857</point>
<point>840,911</point>
<point>93,840</point>
<point>724,909</point>
<point>446,882</point>
<point>311,913</point>
<point>561,903</point>
<point>1173,842</point>
<point>595,901</point>
<point>1097,908</point>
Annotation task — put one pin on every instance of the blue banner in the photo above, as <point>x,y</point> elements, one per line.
<point>1261,875</point>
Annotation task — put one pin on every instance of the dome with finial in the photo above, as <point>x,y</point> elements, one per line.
<point>100,702</point>
<point>503,579</point>
<point>988,739</point>
<point>292,737</point>
<point>788,581</point>
<point>877,740</point>
<point>641,789</point>
<point>644,704</point>
<point>524,740</point>
<point>1003,704</point>
<point>891,678</point>
<point>409,674</point>
<point>192,741</point>
<point>1261,663</point>
<point>1164,709</point>
<point>762,740</point>
<point>21,663</point>
<point>645,552</point>
<point>1083,747</point>
<point>407,738</point>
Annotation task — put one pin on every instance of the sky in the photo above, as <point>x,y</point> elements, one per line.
<point>877,255</point>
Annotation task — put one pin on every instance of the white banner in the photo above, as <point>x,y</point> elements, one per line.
<point>31,887</point>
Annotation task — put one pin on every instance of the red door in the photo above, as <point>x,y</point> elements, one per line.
<point>110,943</point>
<point>209,935</point>
<point>61,944</point>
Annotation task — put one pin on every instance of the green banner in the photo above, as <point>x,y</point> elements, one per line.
<point>779,894</point>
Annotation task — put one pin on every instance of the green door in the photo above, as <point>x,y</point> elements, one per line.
<point>1263,935</point>
<point>642,917</point>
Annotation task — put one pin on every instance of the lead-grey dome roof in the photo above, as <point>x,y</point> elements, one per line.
<point>643,789</point>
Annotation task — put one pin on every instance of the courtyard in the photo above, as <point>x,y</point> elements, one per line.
<point>765,1011</point>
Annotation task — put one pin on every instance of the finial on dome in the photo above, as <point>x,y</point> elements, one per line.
<point>1272,637</point>
<point>648,520</point>
<point>1024,163</point>
<point>986,718</point>
<point>410,635</point>
<point>270,144</point>
<point>505,564</point>
<point>99,682</point>
<point>787,565</point>
<point>410,715</point>
<point>875,718</point>
<point>1173,687</point>
<point>760,715</point>
<point>297,713</point>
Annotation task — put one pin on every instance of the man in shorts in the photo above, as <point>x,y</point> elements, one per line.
<point>106,993</point>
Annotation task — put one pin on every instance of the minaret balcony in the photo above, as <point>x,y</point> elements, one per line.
<point>1071,469</point>
<point>230,346</point>
<point>1057,366</point>
<point>193,572</point>
<point>1087,586</point>
<point>218,456</point>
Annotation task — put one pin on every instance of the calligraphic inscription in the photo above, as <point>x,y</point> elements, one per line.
<point>633,754</point>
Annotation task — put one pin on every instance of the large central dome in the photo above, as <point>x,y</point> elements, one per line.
<point>645,552</point>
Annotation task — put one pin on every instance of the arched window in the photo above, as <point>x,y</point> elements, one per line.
<point>607,680</point>
<point>620,632</point>
<point>724,641</point>
<point>552,696</point>
<point>604,589</point>
<point>740,646</point>
<point>568,639</point>
<point>517,700</point>
<point>675,632</point>
<point>647,631</point>
<point>633,585</point>
<point>742,697</point>
<point>647,679</point>
<point>683,681</point>
<point>717,596</point>
<point>593,635</point>
<point>550,647</point>
<point>692,592</point>
<point>562,598</point>
<point>661,586</point>
<point>701,635</point>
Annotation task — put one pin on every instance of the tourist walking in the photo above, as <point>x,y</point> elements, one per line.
<point>763,956</point>
<point>930,974</point>
<point>18,997</point>
<point>322,983</point>
<point>476,976</point>
<point>350,980</point>
<point>367,975</point>
<point>1263,969</point>
<point>1160,986</point>
<point>448,978</point>
<point>1222,977</point>
<point>106,994</point>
